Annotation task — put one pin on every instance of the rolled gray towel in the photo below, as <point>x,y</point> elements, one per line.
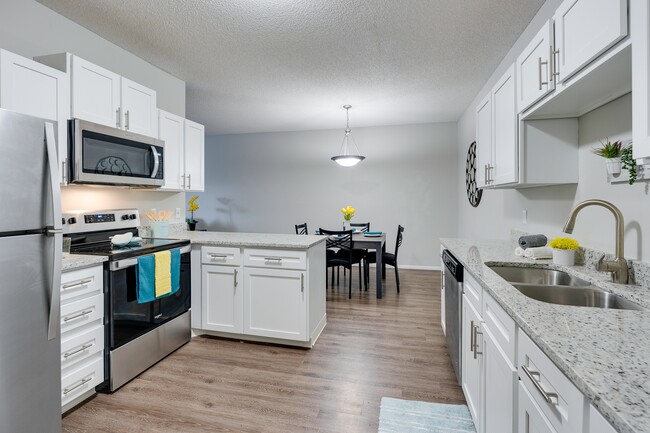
<point>532,241</point>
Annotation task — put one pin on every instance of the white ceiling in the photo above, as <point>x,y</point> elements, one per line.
<point>284,65</point>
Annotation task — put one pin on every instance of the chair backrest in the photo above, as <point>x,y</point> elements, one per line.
<point>338,239</point>
<point>398,241</point>
<point>363,227</point>
<point>301,229</point>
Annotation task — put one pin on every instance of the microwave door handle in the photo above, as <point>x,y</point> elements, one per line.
<point>156,162</point>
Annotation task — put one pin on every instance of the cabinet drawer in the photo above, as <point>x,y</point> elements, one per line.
<point>221,256</point>
<point>81,283</point>
<point>80,313</point>
<point>530,417</point>
<point>82,380</point>
<point>501,326</point>
<point>280,259</point>
<point>81,347</point>
<point>559,400</point>
<point>474,292</point>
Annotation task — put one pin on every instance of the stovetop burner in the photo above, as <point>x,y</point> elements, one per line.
<point>147,246</point>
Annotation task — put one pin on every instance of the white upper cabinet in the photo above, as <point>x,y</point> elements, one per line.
<point>585,29</point>
<point>35,89</point>
<point>104,97</point>
<point>95,93</point>
<point>483,141</point>
<point>139,113</point>
<point>639,21</point>
<point>184,152</point>
<point>194,155</point>
<point>504,130</point>
<point>534,68</point>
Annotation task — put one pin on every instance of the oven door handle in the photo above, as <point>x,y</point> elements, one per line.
<point>156,162</point>
<point>127,263</point>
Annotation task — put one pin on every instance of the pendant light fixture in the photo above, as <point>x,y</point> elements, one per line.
<point>345,158</point>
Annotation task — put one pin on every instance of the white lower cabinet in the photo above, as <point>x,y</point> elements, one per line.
<point>597,423</point>
<point>262,294</point>
<point>500,387</point>
<point>82,334</point>
<point>472,361</point>
<point>531,419</point>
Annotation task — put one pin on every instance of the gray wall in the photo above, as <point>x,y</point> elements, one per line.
<point>30,29</point>
<point>548,207</point>
<point>268,182</point>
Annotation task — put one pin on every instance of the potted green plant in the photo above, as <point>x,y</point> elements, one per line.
<point>193,206</point>
<point>564,251</point>
<point>612,152</point>
<point>629,163</point>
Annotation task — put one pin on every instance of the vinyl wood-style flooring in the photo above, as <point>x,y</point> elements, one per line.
<point>370,348</point>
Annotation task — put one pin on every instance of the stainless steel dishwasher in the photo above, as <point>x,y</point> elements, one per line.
<point>453,308</point>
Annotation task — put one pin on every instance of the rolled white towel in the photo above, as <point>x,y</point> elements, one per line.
<point>519,252</point>
<point>539,253</point>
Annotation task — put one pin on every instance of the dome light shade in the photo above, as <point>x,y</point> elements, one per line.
<point>345,158</point>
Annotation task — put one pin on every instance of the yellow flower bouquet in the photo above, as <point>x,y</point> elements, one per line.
<point>564,244</point>
<point>193,206</point>
<point>564,251</point>
<point>348,213</point>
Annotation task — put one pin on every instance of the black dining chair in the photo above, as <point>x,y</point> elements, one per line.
<point>345,255</point>
<point>388,258</point>
<point>362,227</point>
<point>301,229</point>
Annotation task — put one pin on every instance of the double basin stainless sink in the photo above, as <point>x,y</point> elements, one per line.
<point>557,287</point>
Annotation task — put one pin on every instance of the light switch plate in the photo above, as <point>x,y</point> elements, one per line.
<point>524,216</point>
<point>178,213</point>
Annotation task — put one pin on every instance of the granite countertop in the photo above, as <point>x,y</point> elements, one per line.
<point>605,353</point>
<point>70,262</point>
<point>256,240</point>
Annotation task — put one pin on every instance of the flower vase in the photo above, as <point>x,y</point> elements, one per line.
<point>191,225</point>
<point>613,166</point>
<point>564,257</point>
<point>346,225</point>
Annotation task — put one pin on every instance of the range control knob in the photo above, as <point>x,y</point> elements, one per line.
<point>63,221</point>
<point>125,217</point>
<point>132,216</point>
<point>72,220</point>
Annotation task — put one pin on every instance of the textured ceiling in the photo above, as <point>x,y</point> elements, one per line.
<point>283,65</point>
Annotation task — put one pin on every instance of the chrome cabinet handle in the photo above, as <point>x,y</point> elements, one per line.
<point>76,316</point>
<point>235,276</point>
<point>67,355</point>
<point>183,176</point>
<point>78,284</point>
<point>80,384</point>
<point>189,181</point>
<point>471,336</point>
<point>554,73</point>
<point>126,120</point>
<point>118,116</point>
<point>547,395</point>
<point>302,282</point>
<point>156,162</point>
<point>215,256</point>
<point>539,72</point>
<point>64,173</point>
<point>277,260</point>
<point>476,333</point>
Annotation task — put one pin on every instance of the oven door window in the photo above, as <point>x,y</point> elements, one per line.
<point>103,154</point>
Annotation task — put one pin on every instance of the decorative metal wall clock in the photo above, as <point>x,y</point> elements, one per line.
<point>473,193</point>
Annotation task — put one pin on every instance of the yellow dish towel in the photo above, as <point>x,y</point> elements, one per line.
<point>163,273</point>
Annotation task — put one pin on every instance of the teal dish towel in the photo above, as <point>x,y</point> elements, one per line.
<point>145,276</point>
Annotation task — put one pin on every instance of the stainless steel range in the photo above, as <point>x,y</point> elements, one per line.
<point>137,334</point>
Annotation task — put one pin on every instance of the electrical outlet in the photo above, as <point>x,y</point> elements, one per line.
<point>178,213</point>
<point>524,216</point>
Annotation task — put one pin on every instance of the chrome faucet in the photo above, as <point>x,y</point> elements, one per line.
<point>618,266</point>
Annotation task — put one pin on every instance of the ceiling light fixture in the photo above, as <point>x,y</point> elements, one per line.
<point>345,158</point>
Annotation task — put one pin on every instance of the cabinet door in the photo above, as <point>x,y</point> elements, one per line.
<point>530,417</point>
<point>275,303</point>
<point>534,76</point>
<point>95,93</point>
<point>472,360</point>
<point>584,29</point>
<point>504,130</point>
<point>171,130</point>
<point>640,22</point>
<point>483,142</point>
<point>222,295</point>
<point>500,384</point>
<point>194,156</point>
<point>139,112</point>
<point>32,88</point>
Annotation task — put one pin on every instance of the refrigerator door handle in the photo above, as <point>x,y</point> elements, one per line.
<point>55,231</point>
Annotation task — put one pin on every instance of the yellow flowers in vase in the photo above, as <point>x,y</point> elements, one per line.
<point>348,213</point>
<point>193,206</point>
<point>564,250</point>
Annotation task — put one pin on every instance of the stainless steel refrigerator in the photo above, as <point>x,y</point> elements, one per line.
<point>30,276</point>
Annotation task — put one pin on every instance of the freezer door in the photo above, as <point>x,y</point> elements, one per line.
<point>30,366</point>
<point>27,191</point>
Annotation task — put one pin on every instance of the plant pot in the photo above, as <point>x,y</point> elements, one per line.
<point>613,166</point>
<point>191,225</point>
<point>564,257</point>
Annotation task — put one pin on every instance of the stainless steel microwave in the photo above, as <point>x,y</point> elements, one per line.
<point>111,156</point>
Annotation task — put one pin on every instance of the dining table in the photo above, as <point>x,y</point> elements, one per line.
<point>377,243</point>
